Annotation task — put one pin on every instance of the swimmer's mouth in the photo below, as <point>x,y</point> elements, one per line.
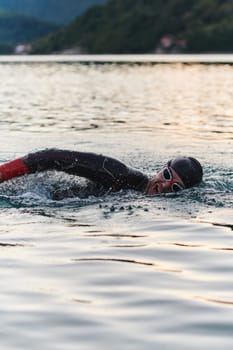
<point>154,189</point>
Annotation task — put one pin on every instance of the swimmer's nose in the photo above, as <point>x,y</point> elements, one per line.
<point>166,186</point>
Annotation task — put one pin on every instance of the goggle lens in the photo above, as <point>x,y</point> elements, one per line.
<point>168,176</point>
<point>176,187</point>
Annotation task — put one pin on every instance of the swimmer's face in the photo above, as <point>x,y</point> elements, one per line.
<point>165,181</point>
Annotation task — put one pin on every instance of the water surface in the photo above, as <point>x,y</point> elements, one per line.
<point>122,270</point>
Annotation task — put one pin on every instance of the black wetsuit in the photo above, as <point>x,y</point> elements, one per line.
<point>105,172</point>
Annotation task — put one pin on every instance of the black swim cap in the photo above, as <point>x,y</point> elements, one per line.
<point>189,170</point>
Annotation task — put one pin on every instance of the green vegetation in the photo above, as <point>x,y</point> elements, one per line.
<point>6,49</point>
<point>137,26</point>
<point>16,29</point>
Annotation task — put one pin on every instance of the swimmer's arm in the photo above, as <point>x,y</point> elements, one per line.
<point>48,159</point>
<point>72,162</point>
<point>107,171</point>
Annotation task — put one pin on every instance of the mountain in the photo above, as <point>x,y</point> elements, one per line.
<point>57,11</point>
<point>15,28</point>
<point>142,26</point>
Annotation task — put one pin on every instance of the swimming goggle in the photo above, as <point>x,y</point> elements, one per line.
<point>168,176</point>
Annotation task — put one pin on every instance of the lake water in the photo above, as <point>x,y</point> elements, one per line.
<point>123,271</point>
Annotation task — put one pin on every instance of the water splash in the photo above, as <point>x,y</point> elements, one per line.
<point>59,190</point>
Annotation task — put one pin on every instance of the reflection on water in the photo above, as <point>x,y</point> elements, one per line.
<point>121,270</point>
<point>191,101</point>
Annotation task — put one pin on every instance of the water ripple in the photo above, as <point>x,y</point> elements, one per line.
<point>122,270</point>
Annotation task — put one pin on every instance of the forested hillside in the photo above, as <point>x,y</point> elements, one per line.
<point>16,28</point>
<point>142,26</point>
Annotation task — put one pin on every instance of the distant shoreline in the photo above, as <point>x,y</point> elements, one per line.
<point>137,59</point>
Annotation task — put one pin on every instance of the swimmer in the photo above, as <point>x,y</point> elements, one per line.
<point>111,174</point>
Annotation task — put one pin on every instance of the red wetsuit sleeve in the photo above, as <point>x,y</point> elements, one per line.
<point>13,169</point>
